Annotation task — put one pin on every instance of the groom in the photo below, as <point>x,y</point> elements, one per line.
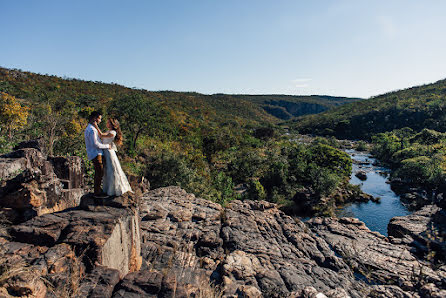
<point>94,151</point>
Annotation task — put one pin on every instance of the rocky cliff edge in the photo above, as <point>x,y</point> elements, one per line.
<point>58,242</point>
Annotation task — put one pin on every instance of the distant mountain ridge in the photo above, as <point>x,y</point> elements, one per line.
<point>416,107</point>
<point>286,107</point>
<point>257,108</point>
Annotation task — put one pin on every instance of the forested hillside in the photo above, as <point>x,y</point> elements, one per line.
<point>418,108</point>
<point>219,147</point>
<point>286,107</point>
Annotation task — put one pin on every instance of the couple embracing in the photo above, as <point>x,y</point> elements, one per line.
<point>101,150</point>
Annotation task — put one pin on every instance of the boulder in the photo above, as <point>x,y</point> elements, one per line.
<point>99,283</point>
<point>362,175</point>
<point>107,236</point>
<point>32,184</point>
<point>423,231</point>
<point>373,257</point>
<point>181,235</point>
<point>38,144</point>
<point>152,283</point>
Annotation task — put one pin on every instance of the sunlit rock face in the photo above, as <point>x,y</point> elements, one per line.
<point>32,184</point>
<point>56,242</point>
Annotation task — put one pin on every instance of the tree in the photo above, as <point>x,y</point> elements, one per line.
<point>12,114</point>
<point>138,115</point>
<point>331,158</point>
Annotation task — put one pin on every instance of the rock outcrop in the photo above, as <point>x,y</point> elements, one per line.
<point>378,261</point>
<point>168,243</point>
<point>32,184</point>
<point>71,246</point>
<point>251,249</point>
<point>424,231</point>
<point>55,241</point>
<point>362,175</point>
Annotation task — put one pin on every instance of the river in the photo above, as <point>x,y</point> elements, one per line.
<point>375,215</point>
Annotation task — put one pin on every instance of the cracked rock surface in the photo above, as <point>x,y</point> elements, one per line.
<point>252,249</point>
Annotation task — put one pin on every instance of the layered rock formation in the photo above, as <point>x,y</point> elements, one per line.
<point>70,246</point>
<point>385,266</point>
<point>168,243</point>
<point>251,249</point>
<point>32,184</point>
<point>424,231</point>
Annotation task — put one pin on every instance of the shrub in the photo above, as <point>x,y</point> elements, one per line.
<point>361,146</point>
<point>256,191</point>
<point>172,169</point>
<point>420,170</point>
<point>224,188</point>
<point>324,181</point>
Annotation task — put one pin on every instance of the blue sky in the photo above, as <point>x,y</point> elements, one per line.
<point>344,48</point>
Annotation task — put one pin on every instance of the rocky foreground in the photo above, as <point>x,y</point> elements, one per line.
<point>168,243</point>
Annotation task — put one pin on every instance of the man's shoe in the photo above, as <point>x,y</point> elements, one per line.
<point>100,196</point>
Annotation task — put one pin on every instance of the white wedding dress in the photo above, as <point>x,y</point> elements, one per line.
<point>115,182</point>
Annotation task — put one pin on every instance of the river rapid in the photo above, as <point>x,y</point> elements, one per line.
<point>375,215</point>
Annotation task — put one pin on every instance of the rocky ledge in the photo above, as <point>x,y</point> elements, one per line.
<point>168,243</point>
<point>424,231</point>
<point>32,184</point>
<point>252,249</point>
<point>191,247</point>
<point>65,253</point>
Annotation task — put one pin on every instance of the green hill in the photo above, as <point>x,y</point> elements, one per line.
<point>38,88</point>
<point>207,144</point>
<point>418,108</point>
<point>286,107</point>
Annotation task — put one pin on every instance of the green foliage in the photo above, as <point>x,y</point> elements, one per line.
<point>204,143</point>
<point>324,181</point>
<point>224,188</point>
<point>256,191</point>
<point>418,108</point>
<point>417,158</point>
<point>386,144</point>
<point>428,137</point>
<point>421,170</point>
<point>6,145</point>
<point>361,146</point>
<point>139,115</point>
<point>246,164</point>
<point>172,169</point>
<point>332,141</point>
<point>331,158</point>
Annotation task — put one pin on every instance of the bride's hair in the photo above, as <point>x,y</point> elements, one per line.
<point>115,126</point>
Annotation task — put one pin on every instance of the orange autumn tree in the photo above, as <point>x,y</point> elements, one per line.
<point>13,115</point>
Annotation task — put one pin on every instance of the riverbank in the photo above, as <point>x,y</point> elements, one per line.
<point>376,214</point>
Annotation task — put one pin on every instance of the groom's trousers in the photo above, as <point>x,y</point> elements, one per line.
<point>98,173</point>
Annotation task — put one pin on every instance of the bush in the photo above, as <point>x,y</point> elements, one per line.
<point>420,170</point>
<point>361,146</point>
<point>264,133</point>
<point>6,145</point>
<point>256,190</point>
<point>246,164</point>
<point>224,188</point>
<point>168,169</point>
<point>324,181</point>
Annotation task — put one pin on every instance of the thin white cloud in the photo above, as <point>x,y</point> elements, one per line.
<point>301,83</point>
<point>301,80</point>
<point>388,26</point>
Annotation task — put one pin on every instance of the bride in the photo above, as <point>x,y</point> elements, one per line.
<point>115,182</point>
